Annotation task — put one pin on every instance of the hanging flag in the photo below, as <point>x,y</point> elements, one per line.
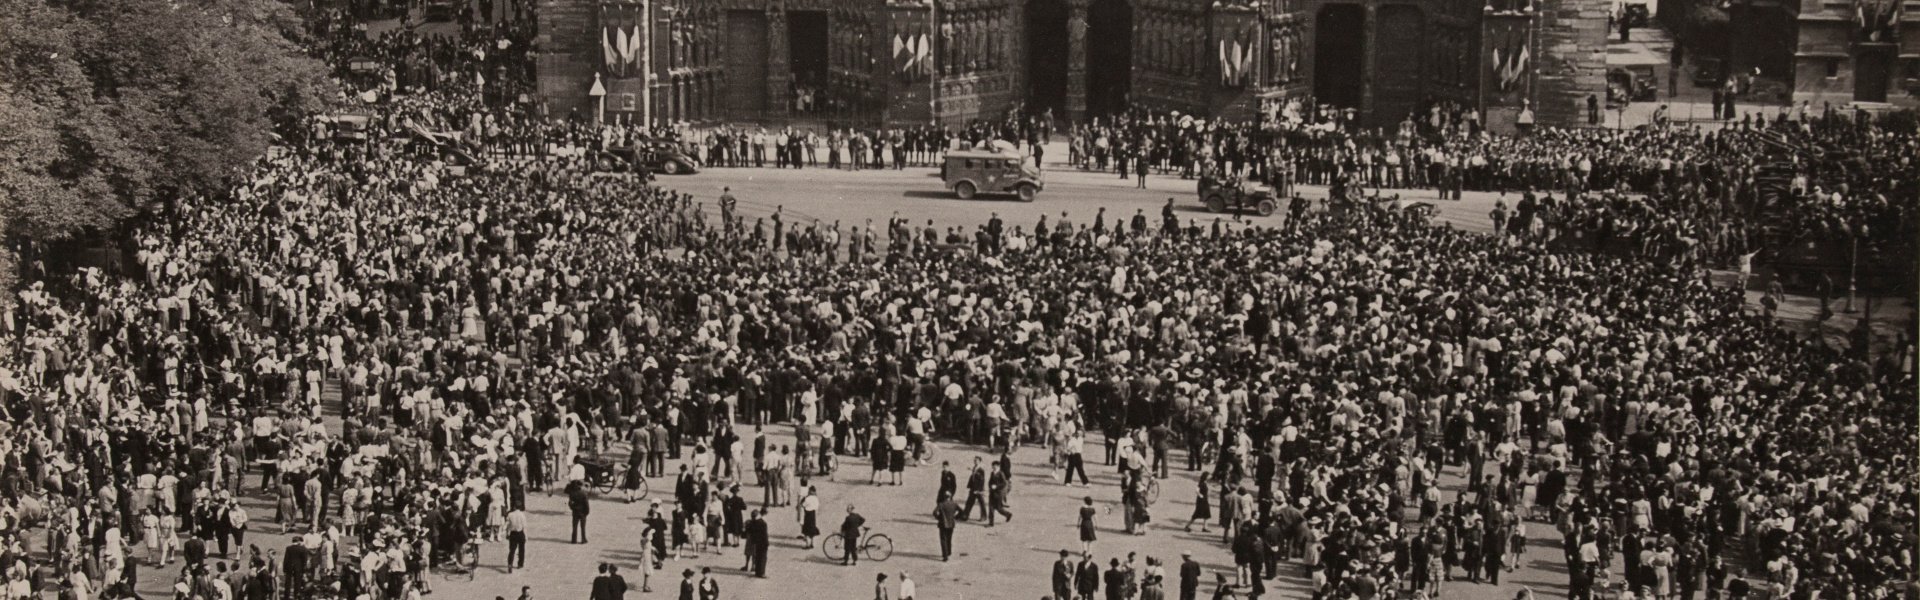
<point>638,45</point>
<point>1520,63</point>
<point>606,47</point>
<point>622,47</point>
<point>1239,58</point>
<point>1226,64</point>
<point>926,54</point>
<point>1499,62</point>
<point>899,45</point>
<point>1246,64</point>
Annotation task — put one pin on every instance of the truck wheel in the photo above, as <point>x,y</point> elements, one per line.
<point>1267,207</point>
<point>964,190</point>
<point>1216,204</point>
<point>1027,192</point>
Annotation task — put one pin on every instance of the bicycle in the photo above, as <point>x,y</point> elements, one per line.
<point>463,564</point>
<point>877,547</point>
<point>612,476</point>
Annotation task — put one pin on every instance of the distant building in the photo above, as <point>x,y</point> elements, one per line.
<point>881,61</point>
<point>1823,51</point>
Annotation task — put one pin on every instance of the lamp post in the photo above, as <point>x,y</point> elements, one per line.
<point>646,66</point>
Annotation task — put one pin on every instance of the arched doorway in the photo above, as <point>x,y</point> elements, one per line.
<point>1339,55</point>
<point>1109,57</point>
<point>1047,52</point>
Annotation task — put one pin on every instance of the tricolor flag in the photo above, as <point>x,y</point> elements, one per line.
<point>606,47</point>
<point>622,46</point>
<point>1246,63</point>
<point>1238,56</point>
<point>1226,64</point>
<point>925,48</point>
<point>637,45</point>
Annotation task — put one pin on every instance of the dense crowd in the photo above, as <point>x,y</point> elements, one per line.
<point>505,328</point>
<point>1725,192</point>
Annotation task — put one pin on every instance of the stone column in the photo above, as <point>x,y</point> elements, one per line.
<point>1373,40</point>
<point>1077,60</point>
<point>779,64</point>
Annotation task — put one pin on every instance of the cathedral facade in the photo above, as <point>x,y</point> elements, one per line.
<point>948,61</point>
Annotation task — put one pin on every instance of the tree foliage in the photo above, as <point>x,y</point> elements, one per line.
<point>107,106</point>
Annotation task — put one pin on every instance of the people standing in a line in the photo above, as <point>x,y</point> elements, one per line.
<point>945,515</point>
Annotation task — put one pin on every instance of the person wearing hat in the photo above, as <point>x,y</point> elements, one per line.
<point>688,588</point>
<point>1189,576</point>
<point>1063,576</point>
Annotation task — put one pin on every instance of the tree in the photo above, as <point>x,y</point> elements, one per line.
<point>112,105</point>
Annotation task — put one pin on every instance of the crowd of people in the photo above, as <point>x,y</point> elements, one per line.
<point>398,353</point>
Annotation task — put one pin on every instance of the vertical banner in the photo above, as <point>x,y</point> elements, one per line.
<point>622,39</point>
<point>1506,76</point>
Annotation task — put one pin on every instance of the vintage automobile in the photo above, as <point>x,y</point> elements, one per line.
<point>658,156</point>
<point>1222,194</point>
<point>972,172</point>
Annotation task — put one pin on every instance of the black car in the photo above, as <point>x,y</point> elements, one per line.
<point>658,157</point>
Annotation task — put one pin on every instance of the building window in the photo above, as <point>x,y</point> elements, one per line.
<point>1833,68</point>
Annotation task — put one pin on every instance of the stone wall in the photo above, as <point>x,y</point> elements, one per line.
<point>569,53</point>
<point>1572,64</point>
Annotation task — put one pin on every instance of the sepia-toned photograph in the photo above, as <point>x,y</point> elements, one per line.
<point>810,299</point>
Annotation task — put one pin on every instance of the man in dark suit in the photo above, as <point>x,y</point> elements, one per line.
<point>577,503</point>
<point>1116,580</point>
<point>602,585</point>
<point>945,517</point>
<point>1063,577</point>
<point>1086,580</point>
<point>294,564</point>
<point>1189,576</point>
<point>616,585</point>
<point>757,542</point>
<point>997,486</point>
<point>976,491</point>
<point>949,484</point>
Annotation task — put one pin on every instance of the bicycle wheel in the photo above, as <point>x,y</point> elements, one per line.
<point>640,491</point>
<point>1152,491</point>
<point>835,547</point>
<point>604,480</point>
<point>879,547</point>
